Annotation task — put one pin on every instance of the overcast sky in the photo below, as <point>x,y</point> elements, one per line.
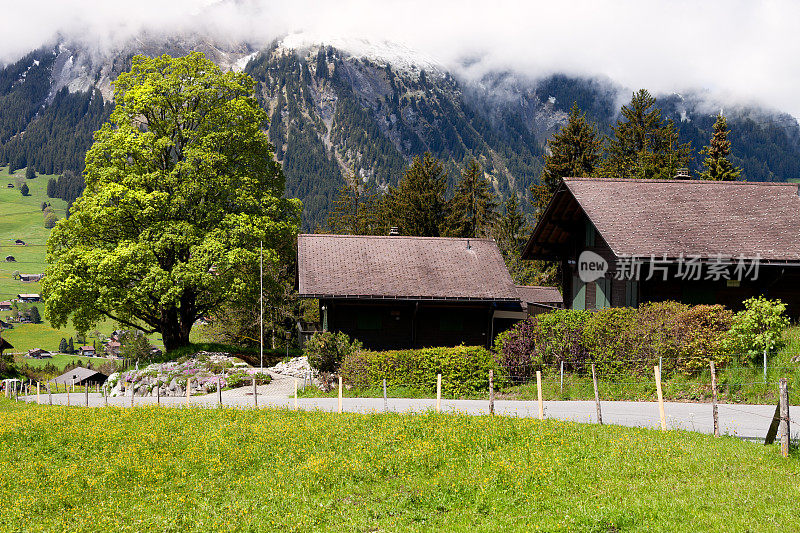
<point>748,50</point>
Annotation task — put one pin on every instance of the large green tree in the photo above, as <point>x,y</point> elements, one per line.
<point>181,186</point>
<point>473,208</point>
<point>644,145</point>
<point>717,165</point>
<point>511,231</point>
<point>417,206</point>
<point>575,152</point>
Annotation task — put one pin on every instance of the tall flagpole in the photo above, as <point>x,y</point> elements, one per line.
<point>261,302</point>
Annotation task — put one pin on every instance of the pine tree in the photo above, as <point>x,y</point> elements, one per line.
<point>473,208</point>
<point>24,190</point>
<point>33,314</point>
<point>356,209</point>
<point>70,346</point>
<point>511,232</point>
<point>717,165</point>
<point>417,205</point>
<point>62,346</point>
<point>575,151</point>
<point>644,145</point>
<point>30,173</point>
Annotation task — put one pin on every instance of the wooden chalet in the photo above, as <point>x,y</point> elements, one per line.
<point>80,376</point>
<point>6,306</point>
<point>29,298</point>
<point>408,292</point>
<point>624,241</point>
<point>87,351</point>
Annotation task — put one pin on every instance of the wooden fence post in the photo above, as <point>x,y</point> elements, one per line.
<point>385,399</point>
<point>491,391</point>
<point>562,376</point>
<point>340,394</point>
<point>714,398</point>
<point>295,394</point>
<point>49,395</point>
<point>784,393</point>
<point>86,394</point>
<point>597,398</point>
<point>657,371</point>
<point>255,393</point>
<point>105,394</point>
<point>438,393</point>
<point>188,390</point>
<point>38,393</point>
<point>539,392</point>
<point>158,392</point>
<point>133,392</point>
<point>67,387</point>
<point>219,391</point>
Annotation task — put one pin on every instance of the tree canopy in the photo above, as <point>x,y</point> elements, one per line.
<point>575,151</point>
<point>417,206</point>
<point>473,208</point>
<point>717,165</point>
<point>644,145</point>
<point>181,185</point>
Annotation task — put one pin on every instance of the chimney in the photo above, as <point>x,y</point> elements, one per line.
<point>683,174</point>
<point>394,232</point>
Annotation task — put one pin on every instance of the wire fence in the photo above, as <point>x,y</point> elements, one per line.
<point>746,421</point>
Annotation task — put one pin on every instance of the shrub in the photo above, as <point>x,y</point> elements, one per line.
<point>30,173</point>
<point>619,339</point>
<point>464,369</point>
<point>326,350</point>
<point>759,328</point>
<point>50,220</point>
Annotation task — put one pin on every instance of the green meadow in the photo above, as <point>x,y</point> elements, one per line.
<point>163,469</point>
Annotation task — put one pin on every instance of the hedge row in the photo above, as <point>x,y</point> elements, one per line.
<point>619,339</point>
<point>464,369</point>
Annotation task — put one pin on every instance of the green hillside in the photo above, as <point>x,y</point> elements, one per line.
<point>21,217</point>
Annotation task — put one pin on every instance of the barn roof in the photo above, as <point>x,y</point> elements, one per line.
<point>79,374</point>
<point>674,217</point>
<point>375,267</point>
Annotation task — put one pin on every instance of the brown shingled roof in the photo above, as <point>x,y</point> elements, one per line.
<point>673,217</point>
<point>533,294</point>
<point>350,266</point>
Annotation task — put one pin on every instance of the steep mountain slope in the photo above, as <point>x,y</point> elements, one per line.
<point>366,108</point>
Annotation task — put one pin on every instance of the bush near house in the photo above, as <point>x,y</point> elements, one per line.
<point>464,369</point>
<point>620,339</point>
<point>326,350</point>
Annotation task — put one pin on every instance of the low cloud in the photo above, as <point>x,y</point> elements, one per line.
<point>744,49</point>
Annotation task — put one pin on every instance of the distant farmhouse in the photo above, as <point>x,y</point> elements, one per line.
<point>621,242</point>
<point>87,351</point>
<point>31,278</point>
<point>403,292</point>
<point>6,306</point>
<point>39,353</point>
<point>29,298</point>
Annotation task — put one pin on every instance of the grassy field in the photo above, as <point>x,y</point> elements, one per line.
<point>160,469</point>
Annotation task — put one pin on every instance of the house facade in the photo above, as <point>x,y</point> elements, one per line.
<point>394,292</point>
<point>621,242</point>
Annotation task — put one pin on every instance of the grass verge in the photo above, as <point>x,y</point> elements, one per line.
<point>163,469</point>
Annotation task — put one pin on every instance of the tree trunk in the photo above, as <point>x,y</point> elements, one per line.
<point>174,331</point>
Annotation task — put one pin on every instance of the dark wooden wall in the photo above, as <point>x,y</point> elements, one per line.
<point>386,325</point>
